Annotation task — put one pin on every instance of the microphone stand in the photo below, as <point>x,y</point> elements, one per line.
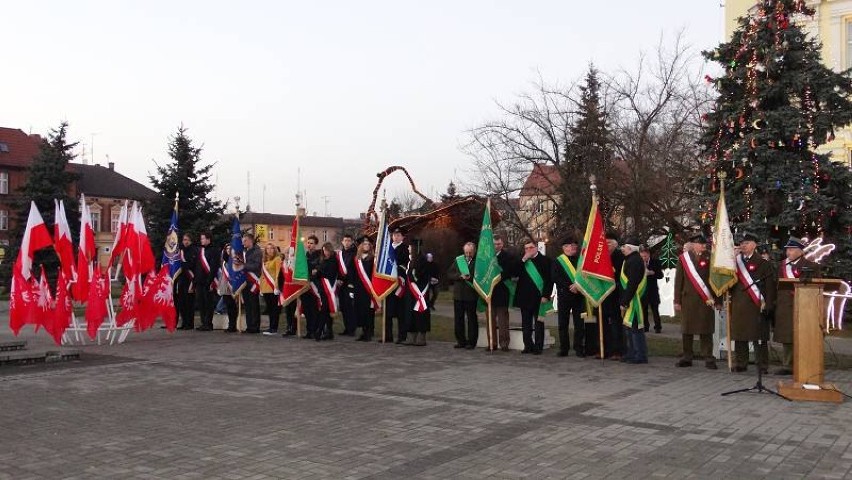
<point>759,387</point>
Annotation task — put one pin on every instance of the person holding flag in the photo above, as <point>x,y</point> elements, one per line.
<point>235,270</point>
<point>570,298</point>
<point>694,300</point>
<point>365,302</point>
<point>225,290</point>
<point>310,297</point>
<point>326,285</point>
<point>488,274</point>
<point>534,287</point>
<point>252,259</point>
<point>269,286</point>
<point>206,273</point>
<point>752,298</point>
<point>633,284</point>
<point>501,295</point>
<point>465,297</point>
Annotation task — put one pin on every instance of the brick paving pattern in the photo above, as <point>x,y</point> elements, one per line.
<point>215,406</point>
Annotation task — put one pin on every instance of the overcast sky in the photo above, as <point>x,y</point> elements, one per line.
<point>340,89</point>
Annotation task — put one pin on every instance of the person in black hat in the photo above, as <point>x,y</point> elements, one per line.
<point>612,327</point>
<point>751,298</point>
<point>398,304</point>
<point>651,299</point>
<point>633,284</point>
<point>793,266</point>
<point>570,300</point>
<point>694,299</point>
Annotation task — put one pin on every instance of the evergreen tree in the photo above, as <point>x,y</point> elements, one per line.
<point>186,175</point>
<point>49,178</point>
<point>777,105</point>
<point>588,153</point>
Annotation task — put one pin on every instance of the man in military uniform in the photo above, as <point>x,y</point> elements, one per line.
<point>751,298</point>
<point>792,267</point>
<point>694,300</point>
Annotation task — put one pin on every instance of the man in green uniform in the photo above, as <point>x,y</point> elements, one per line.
<point>751,297</point>
<point>694,300</point>
<point>794,266</point>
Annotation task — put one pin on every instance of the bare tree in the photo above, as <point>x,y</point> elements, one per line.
<point>534,130</point>
<point>656,121</point>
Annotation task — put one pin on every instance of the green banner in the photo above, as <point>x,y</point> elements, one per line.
<point>486,270</point>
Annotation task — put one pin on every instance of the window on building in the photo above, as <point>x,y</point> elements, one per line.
<point>847,23</point>
<point>272,234</point>
<point>4,148</point>
<point>96,217</point>
<point>114,216</point>
<point>4,183</point>
<point>4,220</point>
<point>325,235</point>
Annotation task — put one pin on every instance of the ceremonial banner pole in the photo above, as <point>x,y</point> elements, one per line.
<point>728,351</point>
<point>298,318</point>
<point>489,321</point>
<point>384,320</point>
<point>601,331</point>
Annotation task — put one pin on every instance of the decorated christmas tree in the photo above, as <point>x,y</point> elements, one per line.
<point>777,105</point>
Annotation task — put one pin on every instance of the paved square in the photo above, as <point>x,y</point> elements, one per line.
<point>210,405</point>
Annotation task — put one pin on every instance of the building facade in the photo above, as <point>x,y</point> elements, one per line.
<point>17,150</point>
<point>276,228</point>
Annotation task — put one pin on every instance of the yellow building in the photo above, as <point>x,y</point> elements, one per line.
<point>831,25</point>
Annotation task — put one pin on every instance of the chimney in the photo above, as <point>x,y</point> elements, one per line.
<point>111,165</point>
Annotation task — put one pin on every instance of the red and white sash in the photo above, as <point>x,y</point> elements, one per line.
<point>420,304</point>
<point>269,278</point>
<point>204,264</point>
<point>788,270</point>
<point>366,282</point>
<point>694,277</point>
<point>341,264</point>
<point>316,295</point>
<point>254,281</point>
<point>748,283</point>
<point>330,293</point>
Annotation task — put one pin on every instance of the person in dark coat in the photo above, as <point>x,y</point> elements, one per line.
<point>694,299</point>
<point>364,303</point>
<point>793,266</point>
<point>612,327</point>
<point>571,302</point>
<point>251,297</point>
<point>465,298</point>
<point>310,297</point>
<point>752,297</point>
<point>418,286</point>
<point>185,284</point>
<point>325,279</point>
<point>346,285</point>
<point>509,266</point>
<point>535,285</point>
<point>434,281</point>
<point>206,272</point>
<point>398,303</point>
<point>651,299</point>
<point>633,283</point>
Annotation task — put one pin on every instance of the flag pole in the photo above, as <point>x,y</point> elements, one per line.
<point>384,320</point>
<point>298,318</point>
<point>489,321</point>
<point>728,330</point>
<point>601,331</point>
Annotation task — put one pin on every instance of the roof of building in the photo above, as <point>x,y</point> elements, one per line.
<point>282,219</point>
<point>100,181</point>
<point>542,180</point>
<point>18,148</point>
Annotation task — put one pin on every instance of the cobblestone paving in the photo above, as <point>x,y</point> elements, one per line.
<point>216,406</point>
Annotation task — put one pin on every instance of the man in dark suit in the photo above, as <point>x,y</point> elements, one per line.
<point>651,299</point>
<point>206,271</point>
<point>509,265</point>
<point>570,301</point>
<point>535,285</point>
<point>464,298</point>
<point>633,283</point>
<point>185,284</point>
<point>398,304</point>
<point>612,327</point>
<point>792,267</point>
<point>751,298</point>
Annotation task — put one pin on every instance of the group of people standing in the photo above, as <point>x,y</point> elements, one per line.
<point>340,281</point>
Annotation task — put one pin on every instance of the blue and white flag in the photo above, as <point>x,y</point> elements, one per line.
<point>236,274</point>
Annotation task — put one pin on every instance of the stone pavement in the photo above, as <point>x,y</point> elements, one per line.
<point>210,405</point>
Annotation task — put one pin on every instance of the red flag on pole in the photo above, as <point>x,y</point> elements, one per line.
<point>62,240</point>
<point>96,309</point>
<point>119,242</point>
<point>85,253</point>
<point>62,313</point>
<point>22,306</point>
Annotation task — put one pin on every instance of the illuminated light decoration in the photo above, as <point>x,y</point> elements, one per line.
<point>816,251</point>
<point>837,306</point>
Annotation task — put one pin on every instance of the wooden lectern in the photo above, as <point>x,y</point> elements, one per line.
<point>808,331</point>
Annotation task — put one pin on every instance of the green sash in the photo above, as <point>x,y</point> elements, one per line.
<point>546,307</point>
<point>634,309</point>
<point>567,266</point>
<point>461,264</point>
